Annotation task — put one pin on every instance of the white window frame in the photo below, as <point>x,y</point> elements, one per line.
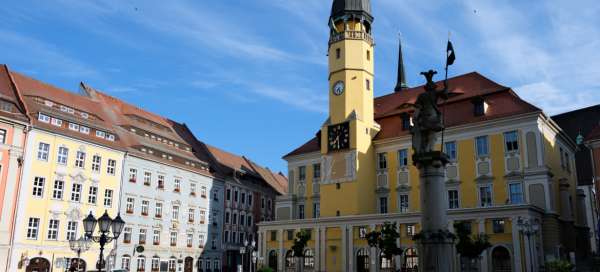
<point>43,151</point>
<point>96,163</point>
<point>480,203</point>
<point>76,194</point>
<point>63,155</point>
<point>72,230</point>
<point>38,187</point>
<point>43,118</point>
<point>93,195</point>
<point>111,167</point>
<point>53,227</point>
<point>108,198</point>
<point>80,159</point>
<point>33,228</point>
<point>58,190</point>
<point>74,127</point>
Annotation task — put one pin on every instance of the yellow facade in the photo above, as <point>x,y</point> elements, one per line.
<point>48,206</point>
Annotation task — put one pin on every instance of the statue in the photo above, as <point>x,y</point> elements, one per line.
<point>427,118</point>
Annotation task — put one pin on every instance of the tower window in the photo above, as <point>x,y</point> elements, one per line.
<point>369,55</point>
<point>338,53</point>
<point>405,121</point>
<point>368,84</point>
<point>479,107</point>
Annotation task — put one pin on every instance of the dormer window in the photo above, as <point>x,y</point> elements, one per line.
<point>44,118</point>
<point>84,115</point>
<point>48,103</point>
<point>479,106</point>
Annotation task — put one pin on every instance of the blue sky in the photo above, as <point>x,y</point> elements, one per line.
<point>251,76</point>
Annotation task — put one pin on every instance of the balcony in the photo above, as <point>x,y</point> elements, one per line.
<point>351,35</point>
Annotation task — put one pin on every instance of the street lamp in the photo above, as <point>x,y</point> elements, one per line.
<point>79,245</point>
<point>528,229</point>
<point>105,223</point>
<point>249,248</point>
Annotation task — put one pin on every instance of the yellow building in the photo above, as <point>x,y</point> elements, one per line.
<point>72,166</point>
<point>511,173</point>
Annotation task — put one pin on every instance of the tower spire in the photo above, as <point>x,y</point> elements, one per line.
<point>401,83</point>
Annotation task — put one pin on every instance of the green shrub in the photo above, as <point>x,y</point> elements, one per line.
<point>559,266</point>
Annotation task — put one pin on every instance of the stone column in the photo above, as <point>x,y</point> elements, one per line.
<point>398,258</point>
<point>351,256</point>
<point>374,256</point>
<point>516,241</point>
<point>317,238</point>
<point>436,252</point>
<point>281,259</point>
<point>323,249</point>
<point>484,255</point>
<point>344,248</point>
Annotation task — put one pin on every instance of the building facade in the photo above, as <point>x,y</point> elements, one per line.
<point>71,167</point>
<point>511,175</point>
<point>592,141</point>
<point>13,127</point>
<point>250,192</point>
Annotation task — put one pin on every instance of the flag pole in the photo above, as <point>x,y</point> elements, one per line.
<point>445,100</point>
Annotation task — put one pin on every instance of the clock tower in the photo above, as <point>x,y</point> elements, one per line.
<point>346,136</point>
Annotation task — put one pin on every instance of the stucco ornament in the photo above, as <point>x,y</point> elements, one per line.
<point>427,117</point>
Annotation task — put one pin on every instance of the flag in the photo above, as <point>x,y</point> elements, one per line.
<point>450,54</point>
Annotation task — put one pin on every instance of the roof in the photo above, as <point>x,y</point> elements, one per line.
<point>10,96</point>
<point>389,109</point>
<point>35,94</point>
<point>594,134</point>
<point>342,7</point>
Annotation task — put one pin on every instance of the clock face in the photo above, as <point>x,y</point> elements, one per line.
<point>338,136</point>
<point>338,88</point>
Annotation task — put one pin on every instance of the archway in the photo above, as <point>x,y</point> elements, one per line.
<point>501,260</point>
<point>290,261</point>
<point>38,265</point>
<point>188,265</point>
<point>362,260</point>
<point>411,261</point>
<point>273,260</point>
<point>78,265</point>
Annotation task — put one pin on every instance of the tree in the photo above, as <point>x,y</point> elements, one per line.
<point>470,247</point>
<point>385,240</point>
<point>300,243</point>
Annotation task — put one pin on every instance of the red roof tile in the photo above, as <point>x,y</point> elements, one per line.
<point>502,102</point>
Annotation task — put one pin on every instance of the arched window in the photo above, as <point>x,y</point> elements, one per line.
<point>362,260</point>
<point>501,260</point>
<point>216,265</point>
<point>309,259</point>
<point>290,261</point>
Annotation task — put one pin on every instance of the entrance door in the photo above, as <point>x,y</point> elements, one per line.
<point>77,265</point>
<point>501,260</point>
<point>273,260</point>
<point>362,260</point>
<point>38,265</point>
<point>188,264</point>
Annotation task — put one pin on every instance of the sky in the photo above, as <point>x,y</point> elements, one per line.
<point>250,77</point>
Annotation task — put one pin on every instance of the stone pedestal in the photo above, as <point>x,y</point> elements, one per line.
<point>435,242</point>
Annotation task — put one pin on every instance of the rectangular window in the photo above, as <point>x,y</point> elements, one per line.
<point>316,211</point>
<point>234,219</point>
<point>156,237</point>
<point>84,130</point>
<point>453,202</point>
<point>53,229</point>
<point>403,203</point>
<point>235,195</point>
<point>73,126</point>
<point>190,239</point>
<point>368,55</point>
<point>108,195</point>
<point>191,215</point>
<point>193,188</point>
<point>129,205</point>
<point>33,228</point>
<point>368,84</point>
<point>203,192</point>
<point>226,236</point>
<point>302,173</point>
<point>249,224</point>
<point>161,181</point>
<point>177,185</point>
<point>511,141</point>
<point>43,118</point>
<point>405,121</point>
<point>56,122</point>
<point>38,186</point>
<point>175,213</point>
<point>145,206</point>
<point>158,210</point>
<point>485,196</point>
<point>63,154</point>
<point>43,150</point>
<point>479,108</point>
<point>76,192</point>
<point>383,207</point>
<point>111,166</point>
<point>516,193</point>
<point>381,161</point>
<point>498,225</point>
<point>142,237</point>
<point>403,157</point>
<point>482,146</point>
<point>100,134</point>
<point>300,211</point>
<point>132,175</point>
<point>59,187</point>
<point>71,230</point>
<point>2,136</point>
<point>262,203</point>
<point>173,238</point>
<point>93,195</point>
<point>228,194</point>
<point>80,159</point>
<point>126,235</point>
<point>450,148</point>
<point>201,240</point>
<point>316,171</point>
<point>410,230</point>
<point>250,199</point>
<point>227,215</point>
<point>567,162</point>
<point>147,178</point>
<point>273,235</point>
<point>338,53</point>
<point>242,219</point>
<point>96,161</point>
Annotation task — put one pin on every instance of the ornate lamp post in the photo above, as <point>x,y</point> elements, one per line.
<point>105,223</point>
<point>79,245</point>
<point>528,229</point>
<point>250,249</point>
